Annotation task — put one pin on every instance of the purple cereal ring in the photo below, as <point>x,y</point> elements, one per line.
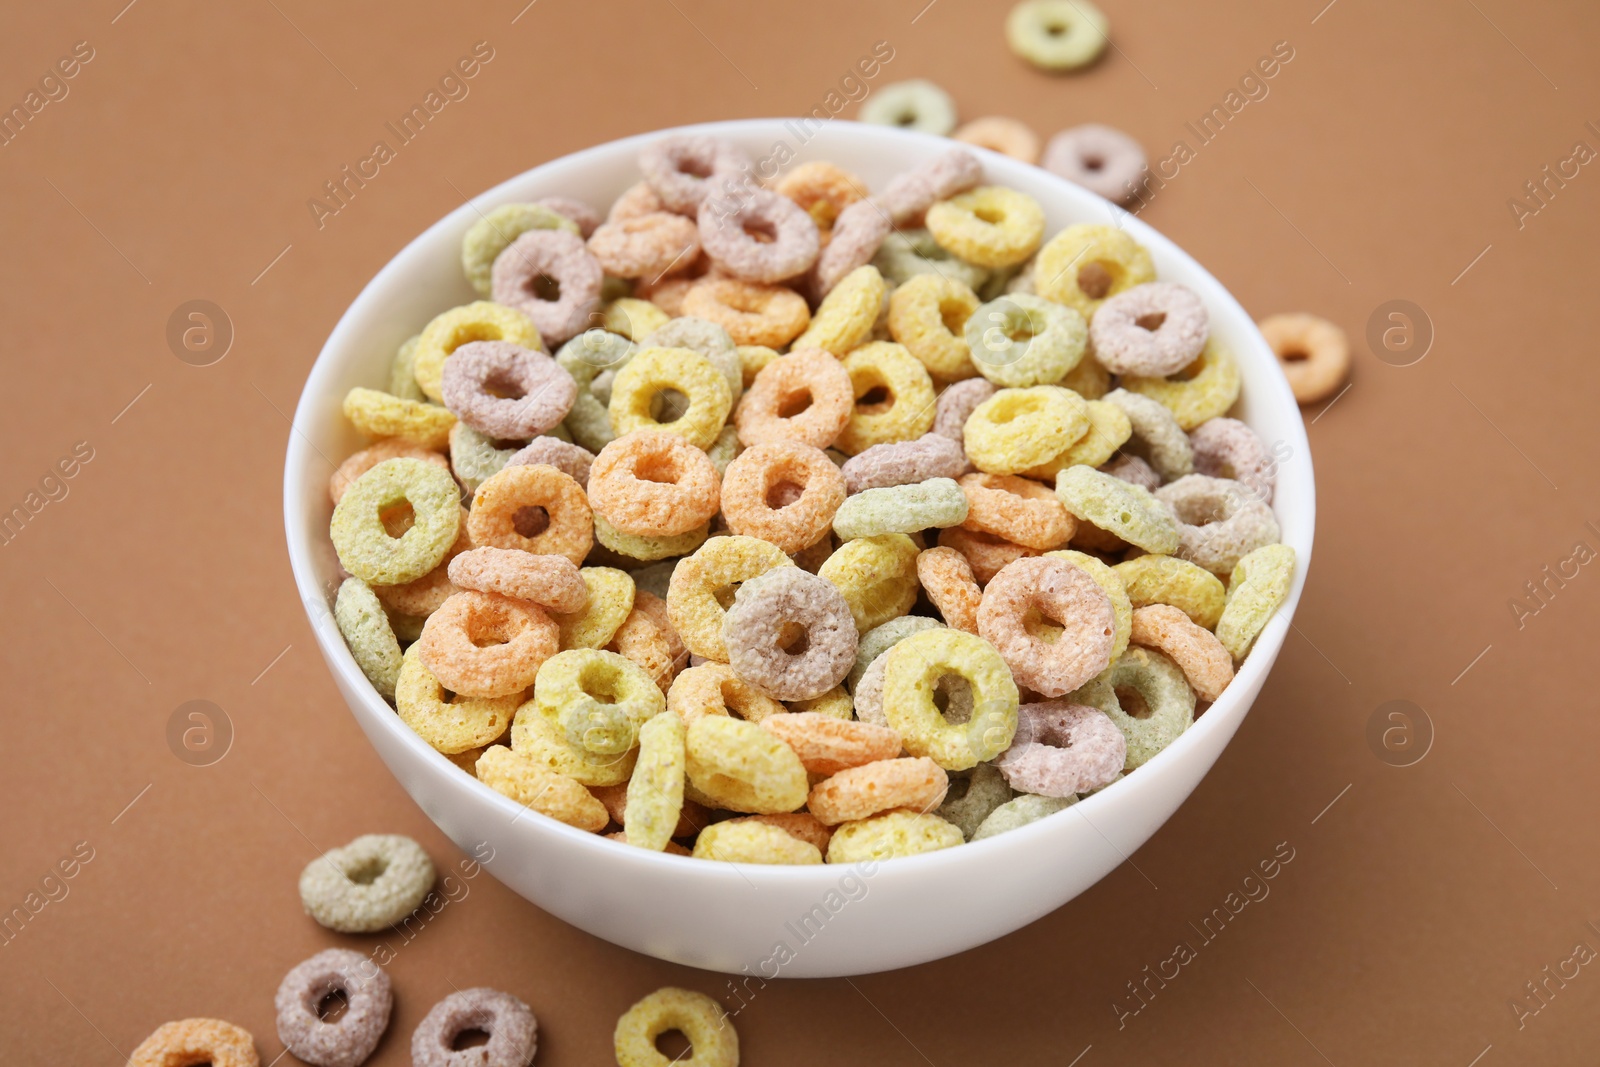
<point>505,391</point>
<point>764,610</point>
<point>1227,448</point>
<point>1062,749</point>
<point>905,462</point>
<point>956,405</point>
<point>1151,330</point>
<point>579,212</point>
<point>734,209</point>
<point>566,457</point>
<point>512,1029</point>
<point>1219,521</point>
<point>647,246</point>
<point>1133,469</point>
<point>549,258</point>
<point>857,233</point>
<point>1101,159</point>
<point>679,168</point>
<point>350,1040</point>
<point>915,191</point>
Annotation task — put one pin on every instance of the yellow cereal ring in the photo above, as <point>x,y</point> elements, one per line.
<point>703,583</point>
<point>927,315</point>
<point>364,545</point>
<point>494,232</point>
<point>599,698</point>
<point>835,704</point>
<point>535,786</point>
<point>1086,263</point>
<point>739,841</point>
<point>540,738</point>
<point>844,319</point>
<point>449,725</point>
<point>1089,379</point>
<point>877,575</point>
<point>653,371</point>
<point>610,599</point>
<point>991,226</point>
<point>1203,390</point>
<point>481,320</point>
<point>713,689</point>
<point>1258,587</point>
<point>911,673</point>
<point>379,414</point>
<point>695,1015</point>
<point>1158,579</point>
<point>751,359</point>
<point>894,397</point>
<point>1110,580</point>
<point>632,318</point>
<point>1109,429</point>
<point>894,833</point>
<point>635,546</point>
<point>742,767</point>
<point>655,792</point>
<point>1020,428</point>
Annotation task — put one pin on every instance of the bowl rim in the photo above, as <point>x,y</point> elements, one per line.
<point>1225,714</point>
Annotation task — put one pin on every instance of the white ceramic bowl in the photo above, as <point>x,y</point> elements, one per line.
<point>774,921</point>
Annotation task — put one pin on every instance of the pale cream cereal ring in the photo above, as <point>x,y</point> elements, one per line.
<point>373,882</point>
<point>1219,521</point>
<point>714,571</point>
<point>752,360</point>
<point>481,320</point>
<point>1088,379</point>
<point>655,792</point>
<point>742,767</point>
<point>935,503</point>
<point>696,1016</point>
<point>801,825</point>
<point>805,396</point>
<point>834,704</point>
<point>913,668</point>
<point>1050,621</point>
<point>770,614</point>
<point>1157,438</point>
<point>880,639</point>
<point>1203,660</point>
<point>1057,35</point>
<point>1087,262</point>
<point>894,833</point>
<point>1009,137</point>
<point>713,689</point>
<point>947,579</point>
<point>403,371</point>
<point>632,318</point>
<point>902,255</point>
<point>1313,352</point>
<point>475,457</point>
<point>535,508</point>
<point>1102,159</point>
<point>927,314</point>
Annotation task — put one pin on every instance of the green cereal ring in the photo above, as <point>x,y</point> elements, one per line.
<point>978,796</point>
<point>916,104</point>
<point>365,628</point>
<point>724,450</point>
<point>449,724</point>
<point>1203,390</point>
<point>1161,441</point>
<point>635,546</point>
<point>540,738</point>
<point>599,698</point>
<point>905,254</point>
<point>877,575</point>
<point>655,792</point>
<point>1109,579</point>
<point>1158,579</point>
<point>1017,429</point>
<point>1109,429</point>
<point>373,882</point>
<point>493,233</point>
<point>894,833</point>
<point>1021,340</point>
<point>611,594</point>
<point>653,371</point>
<point>1087,262</point>
<point>1153,702</point>
<point>913,669</point>
<point>403,372</point>
<point>584,357</point>
<point>1057,34</point>
<point>1129,511</point>
<point>365,548</point>
<point>1020,812</point>
<point>481,320</point>
<point>1258,587</point>
<point>474,458</point>
<point>880,639</point>
<point>937,502</point>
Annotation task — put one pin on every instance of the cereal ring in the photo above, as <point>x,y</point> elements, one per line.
<point>493,233</point>
<point>186,1041</point>
<point>735,210</point>
<point>584,357</point>
<point>1021,340</point>
<point>1088,379</point>
<point>915,783</point>
<point>381,415</point>
<point>759,631</point>
<point>423,596</point>
<point>636,546</point>
<point>349,1040</point>
<point>828,745</point>
<point>599,698</point>
<point>657,370</point>
<point>638,199</point>
<point>1019,428</point>
<point>753,359</point>
<point>1102,159</point>
<point>904,463</point>
<point>1057,34</point>
<point>606,607</point>
<point>973,797</point>
<point>692,817</point>
<point>877,575</point>
<point>894,398</point>
<point>653,484</point>
<point>535,508</point>
<point>647,638</point>
<point>912,669</point>
<point>1219,521</point>
<point>369,884</point>
<point>911,194</point>
<point>880,639</point>
<point>834,704</point>
<point>1227,448</point>
<point>1161,441</point>
<point>852,243</point>
<point>513,1031</point>
<point>632,318</point>
<point>701,581</point>
<point>822,189</point>
<point>1017,509</point>
<point>679,168</point>
<point>485,645</point>
<point>1063,749</point>
<point>742,767</point>
<point>1118,507</point>
<point>475,457</point>
<point>572,460</point>
<point>957,403</point>
<point>801,825</point>
<point>541,745</point>
<point>1196,651</point>
<point>753,314</point>
<point>403,371</point>
<point>694,1015</point>
<point>951,695</point>
<point>366,629</point>
<point>1050,621</point>
<point>894,833</point>
<point>1257,588</point>
<point>991,226</point>
<point>505,391</point>
<point>655,792</point>
<point>1205,389</point>
<point>1017,813</point>
<point>648,246</point>
<point>551,582</point>
<point>713,689</point>
<point>946,577</point>
<point>985,553</point>
<point>551,277</point>
<point>804,396</point>
<point>1109,429</point>
<point>1009,137</point>
<point>374,454</point>
<point>453,724</point>
<point>1086,263</point>
<point>1133,469</point>
<point>1154,329</point>
<point>1157,579</point>
<point>481,320</point>
<point>364,546</point>
<point>902,255</point>
<point>748,841</point>
<point>1109,579</point>
<point>1151,704</point>
<point>705,338</point>
<point>915,104</point>
<point>927,314</point>
<point>576,211</point>
<point>844,319</point>
<point>937,502</point>
<point>1313,352</point>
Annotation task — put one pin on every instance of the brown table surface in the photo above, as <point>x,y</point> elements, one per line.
<point>1421,900</point>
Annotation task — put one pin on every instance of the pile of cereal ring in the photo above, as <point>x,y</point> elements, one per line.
<point>838,525</point>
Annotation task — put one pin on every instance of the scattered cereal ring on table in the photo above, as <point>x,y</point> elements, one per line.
<point>655,791</point>
<point>904,463</point>
<point>495,231</point>
<point>696,1016</point>
<point>742,767</point>
<point>535,508</point>
<point>735,210</point>
<point>1016,429</point>
<point>610,598</point>
<point>1118,507</point>
<point>946,578</point>
<point>974,795</point>
<point>653,484</point>
<point>1102,159</point>
<point>877,575</point>
<point>913,668</point>
<point>713,689</point>
<point>991,225</point>
<point>381,415</point>
<point>773,611</point>
<point>714,570</point>
<point>738,841</point>
<point>350,1039</point>
<point>1057,34</point>
<point>752,313</point>
<point>1219,521</point>
<point>916,104</point>
<point>369,884</point>
<point>894,397</point>
<point>363,461</point>
<point>512,1029</point>
<point>1019,812</point>
<point>450,724</point>
<point>1203,390</point>
<point>186,1041</point>
<point>1017,509</point>
<point>1313,353</point>
<point>505,391</point>
<point>1051,623</point>
<point>804,396</point>
<point>894,833</point>
<point>367,631</point>
<point>364,546</point>
<point>1063,749</point>
<point>1009,137</point>
<point>845,317</point>
<point>481,320</point>
<point>1257,588</point>
<point>1227,448</point>
<point>1021,340</point>
<point>1197,652</point>
<point>1161,441</point>
<point>1086,263</point>
<point>928,314</point>
<point>656,370</point>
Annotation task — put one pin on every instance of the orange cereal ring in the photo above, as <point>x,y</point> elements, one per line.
<point>1017,509</point>
<point>533,507</point>
<point>1313,352</point>
<point>1009,137</point>
<point>804,396</point>
<point>801,825</point>
<point>985,553</point>
<point>713,689</point>
<point>1051,622</point>
<point>823,190</point>
<point>916,783</point>
<point>187,1041</point>
<point>1196,650</point>
<point>752,313</point>
<point>374,454</point>
<point>642,639</point>
<point>653,484</point>
<point>667,292</point>
<point>704,582</point>
<point>946,577</point>
<point>752,505</point>
<point>552,582</point>
<point>827,745</point>
<point>928,314</point>
<point>646,246</point>
<point>486,645</point>
<point>638,199</point>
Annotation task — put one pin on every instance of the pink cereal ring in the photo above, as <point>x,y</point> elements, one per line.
<point>1099,158</point>
<point>1069,645</point>
<point>552,582</point>
<point>678,168</point>
<point>1227,448</point>
<point>957,403</point>
<point>646,246</point>
<point>349,1041</point>
<point>736,209</point>
<point>804,396</point>
<point>577,210</point>
<point>479,375</point>
<point>1151,330</point>
<point>513,1031</point>
<point>572,460</point>
<point>1062,749</point>
<point>855,238</point>
<point>541,258</point>
<point>914,192</point>
<point>905,462</point>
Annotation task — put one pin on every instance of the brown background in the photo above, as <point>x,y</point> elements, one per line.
<point>1379,166</point>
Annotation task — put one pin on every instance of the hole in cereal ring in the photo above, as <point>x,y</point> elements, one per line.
<point>657,468</point>
<point>760,230</point>
<point>543,287</point>
<point>696,167</point>
<point>1094,280</point>
<point>1191,371</point>
<point>502,386</point>
<point>486,638</point>
<point>794,638</point>
<point>368,871</point>
<point>398,519</point>
<point>673,1045</point>
<point>783,493</point>
<point>941,700</point>
<point>726,594</point>
<point>1058,29</point>
<point>875,400</point>
<point>1133,702</point>
<point>990,215</point>
<point>530,521</point>
<point>954,316</point>
<point>332,1006</point>
<point>469,1038</point>
<point>1294,355</point>
<point>906,118</point>
<point>1152,321</point>
<point>669,405</point>
<point>1093,163</point>
<point>448,696</point>
<point>1126,517</point>
<point>792,404</point>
